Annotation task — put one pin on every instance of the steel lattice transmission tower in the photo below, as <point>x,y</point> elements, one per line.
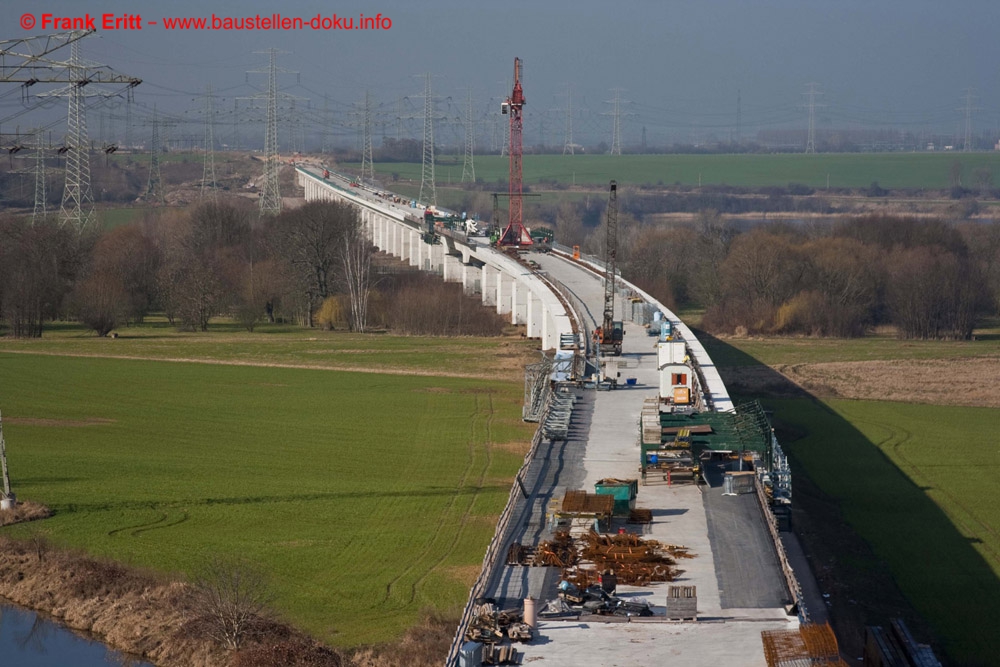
<point>468,165</point>
<point>968,109</point>
<point>327,122</point>
<point>208,185</point>
<point>41,196</point>
<point>811,94</point>
<point>568,146</point>
<point>154,186</point>
<point>77,207</point>
<point>616,132</point>
<point>427,165</point>
<point>367,165</point>
<point>739,116</point>
<point>270,196</point>
<point>28,61</point>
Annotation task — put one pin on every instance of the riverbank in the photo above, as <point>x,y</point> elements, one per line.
<point>140,613</point>
<point>157,619</point>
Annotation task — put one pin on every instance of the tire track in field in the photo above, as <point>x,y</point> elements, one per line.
<point>138,529</point>
<point>140,526</point>
<point>918,476</point>
<point>442,519</point>
<point>467,514</point>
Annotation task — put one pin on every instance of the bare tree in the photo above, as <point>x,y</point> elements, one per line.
<point>311,239</point>
<point>231,595</point>
<point>100,301</point>
<point>37,265</point>
<point>356,257</point>
<point>127,254</point>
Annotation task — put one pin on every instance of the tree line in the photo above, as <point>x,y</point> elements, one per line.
<point>219,259</point>
<point>927,278</point>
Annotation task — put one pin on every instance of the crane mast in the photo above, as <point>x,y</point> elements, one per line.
<point>515,235</point>
<point>610,258</point>
<point>608,336</point>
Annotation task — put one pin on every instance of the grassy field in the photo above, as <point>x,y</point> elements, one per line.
<point>366,497</point>
<point>916,482</point>
<point>849,170</point>
<point>116,217</point>
<point>290,346</point>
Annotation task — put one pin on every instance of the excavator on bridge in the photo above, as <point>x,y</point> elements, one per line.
<point>608,336</point>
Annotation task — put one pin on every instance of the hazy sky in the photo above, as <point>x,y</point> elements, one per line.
<point>905,63</point>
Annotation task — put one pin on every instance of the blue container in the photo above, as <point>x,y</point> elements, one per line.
<point>654,459</point>
<point>630,382</point>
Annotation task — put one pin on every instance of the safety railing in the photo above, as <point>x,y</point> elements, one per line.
<point>494,550</point>
<point>786,568</point>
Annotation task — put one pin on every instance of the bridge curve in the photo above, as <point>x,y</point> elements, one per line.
<point>741,571</point>
<point>394,227</point>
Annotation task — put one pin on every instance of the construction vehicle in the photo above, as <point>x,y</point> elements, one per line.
<point>430,237</point>
<point>609,338</point>
<point>542,238</point>
<point>609,335</point>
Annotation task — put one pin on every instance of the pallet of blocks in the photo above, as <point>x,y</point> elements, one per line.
<point>682,603</point>
<point>649,421</point>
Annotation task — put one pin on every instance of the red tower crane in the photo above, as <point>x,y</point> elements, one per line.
<point>515,235</point>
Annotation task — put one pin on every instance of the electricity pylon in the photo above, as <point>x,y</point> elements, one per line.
<point>41,196</point>
<point>270,194</point>
<point>154,186</point>
<point>367,166</point>
<point>811,94</point>
<point>208,186</point>
<point>26,61</point>
<point>468,166</point>
<point>427,164</point>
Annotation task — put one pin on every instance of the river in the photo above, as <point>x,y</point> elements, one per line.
<point>28,639</point>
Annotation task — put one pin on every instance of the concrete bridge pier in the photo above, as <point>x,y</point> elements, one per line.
<point>449,267</point>
<point>415,250</point>
<point>515,315</point>
<point>488,285</point>
<point>532,320</point>
<point>503,295</point>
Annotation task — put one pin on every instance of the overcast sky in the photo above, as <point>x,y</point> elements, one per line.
<point>680,65</point>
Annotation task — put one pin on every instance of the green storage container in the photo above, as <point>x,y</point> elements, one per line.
<point>624,492</point>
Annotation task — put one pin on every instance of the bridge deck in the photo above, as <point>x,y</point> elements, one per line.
<point>740,587</point>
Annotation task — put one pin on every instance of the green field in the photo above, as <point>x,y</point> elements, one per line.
<point>366,497</point>
<point>845,170</point>
<point>116,217</point>
<point>916,482</point>
<point>286,345</point>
